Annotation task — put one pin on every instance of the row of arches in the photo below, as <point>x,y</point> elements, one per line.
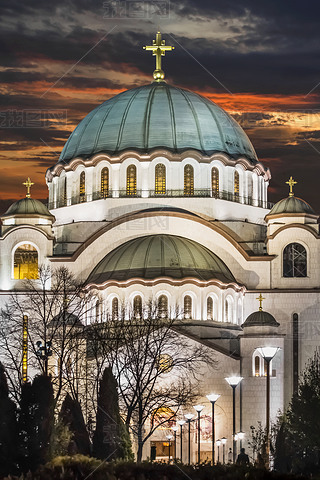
<point>115,310</point>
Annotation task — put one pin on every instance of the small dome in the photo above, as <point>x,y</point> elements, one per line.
<point>157,256</point>
<point>155,116</point>
<point>28,207</point>
<point>260,319</point>
<point>291,205</point>
<point>66,318</point>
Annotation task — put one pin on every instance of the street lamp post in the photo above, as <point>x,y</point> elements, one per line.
<point>181,423</point>
<point>175,429</point>
<point>218,442</point>
<point>224,441</point>
<point>234,382</point>
<point>169,437</point>
<point>268,354</point>
<point>189,417</point>
<point>198,409</point>
<point>44,352</point>
<point>212,397</point>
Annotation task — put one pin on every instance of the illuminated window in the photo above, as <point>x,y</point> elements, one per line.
<point>132,180</point>
<point>64,196</point>
<point>188,180</point>
<point>115,309</point>
<point>187,307</point>
<point>163,306</point>
<point>257,366</point>
<point>228,310</point>
<point>82,189</point>
<point>160,179</point>
<point>215,182</point>
<point>294,261</point>
<point>98,311</point>
<point>250,187</point>
<point>137,307</point>
<point>164,363</point>
<point>104,182</point>
<point>236,184</point>
<point>209,308</point>
<point>25,263</point>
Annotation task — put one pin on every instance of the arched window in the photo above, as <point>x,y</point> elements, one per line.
<point>104,191</point>
<point>25,262</point>
<point>97,311</point>
<point>188,180</point>
<point>137,307</point>
<point>215,182</point>
<point>132,180</point>
<point>210,308</point>
<point>257,360</point>
<point>64,192</point>
<point>187,307</point>
<point>115,308</point>
<point>236,187</point>
<point>294,260</point>
<point>160,179</point>
<point>163,306</point>
<point>250,188</point>
<point>82,188</point>
<point>228,310</point>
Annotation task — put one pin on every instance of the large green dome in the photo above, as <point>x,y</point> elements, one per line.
<point>158,116</point>
<point>156,256</point>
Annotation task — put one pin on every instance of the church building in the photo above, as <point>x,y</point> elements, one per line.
<point>159,192</point>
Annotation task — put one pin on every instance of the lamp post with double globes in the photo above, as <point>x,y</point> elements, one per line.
<point>234,382</point>
<point>212,397</point>
<point>218,442</point>
<point>189,417</point>
<point>268,353</point>
<point>198,409</point>
<point>181,423</point>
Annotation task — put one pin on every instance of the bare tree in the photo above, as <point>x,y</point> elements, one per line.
<point>155,364</point>
<point>57,306</point>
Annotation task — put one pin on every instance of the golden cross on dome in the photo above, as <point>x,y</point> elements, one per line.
<point>291,184</point>
<point>158,48</point>
<point>28,184</point>
<point>260,298</point>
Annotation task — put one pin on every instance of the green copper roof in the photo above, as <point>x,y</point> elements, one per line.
<point>158,116</point>
<point>27,206</point>
<point>157,256</point>
<point>260,319</point>
<point>291,205</point>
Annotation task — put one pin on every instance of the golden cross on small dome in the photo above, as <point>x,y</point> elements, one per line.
<point>291,184</point>
<point>260,298</point>
<point>158,48</point>
<point>28,184</point>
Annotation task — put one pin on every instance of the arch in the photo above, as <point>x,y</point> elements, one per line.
<point>115,308</point>
<point>188,188</point>
<point>163,306</point>
<point>104,182</point>
<point>137,307</point>
<point>236,183</point>
<point>215,182</point>
<point>259,366</point>
<point>131,188</point>
<point>294,259</point>
<point>82,187</point>
<point>25,261</point>
<point>187,307</point>
<point>160,179</point>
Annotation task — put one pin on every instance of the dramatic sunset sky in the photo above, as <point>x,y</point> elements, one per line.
<point>257,59</point>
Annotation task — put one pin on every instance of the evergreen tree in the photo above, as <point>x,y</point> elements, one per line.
<point>304,417</point>
<point>71,416</point>
<point>8,428</point>
<point>36,421</point>
<point>111,438</point>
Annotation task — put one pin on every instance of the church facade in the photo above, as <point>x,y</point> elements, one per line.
<point>159,193</point>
